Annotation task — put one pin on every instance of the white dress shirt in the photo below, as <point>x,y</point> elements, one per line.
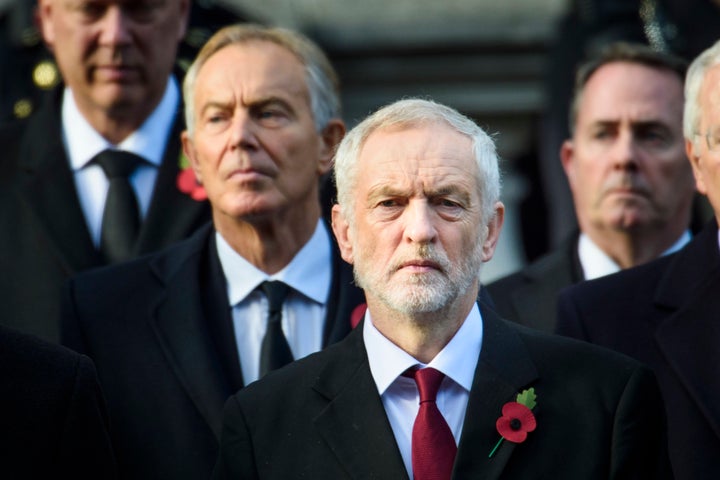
<point>595,263</point>
<point>303,312</point>
<point>399,394</point>
<point>83,142</point>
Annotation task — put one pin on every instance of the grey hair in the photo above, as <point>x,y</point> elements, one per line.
<point>322,80</point>
<point>693,82</point>
<point>408,113</point>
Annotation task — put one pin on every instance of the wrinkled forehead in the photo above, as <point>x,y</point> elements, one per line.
<point>418,156</point>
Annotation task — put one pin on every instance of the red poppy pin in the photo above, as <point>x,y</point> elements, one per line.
<point>187,182</point>
<point>517,419</point>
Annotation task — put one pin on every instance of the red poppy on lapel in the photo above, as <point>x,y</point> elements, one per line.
<point>517,419</point>
<point>187,182</point>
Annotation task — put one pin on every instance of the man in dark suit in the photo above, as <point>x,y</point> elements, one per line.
<point>174,334</point>
<point>665,313</point>
<point>53,421</point>
<point>418,214</point>
<point>631,183</point>
<point>116,60</point>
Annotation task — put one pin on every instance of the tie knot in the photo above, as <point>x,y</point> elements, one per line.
<point>117,163</point>
<point>276,292</point>
<point>428,382</point>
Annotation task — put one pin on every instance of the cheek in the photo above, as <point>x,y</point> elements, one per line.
<point>673,174</point>
<point>209,157</point>
<point>587,183</point>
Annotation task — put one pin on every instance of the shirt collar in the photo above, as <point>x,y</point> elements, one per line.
<point>457,360</point>
<point>596,263</point>
<point>309,272</point>
<point>83,142</point>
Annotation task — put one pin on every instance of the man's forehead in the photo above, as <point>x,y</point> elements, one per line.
<point>274,75</point>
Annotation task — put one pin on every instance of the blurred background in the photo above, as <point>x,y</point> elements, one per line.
<point>507,64</point>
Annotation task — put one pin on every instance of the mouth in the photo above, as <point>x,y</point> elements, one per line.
<point>419,266</point>
<point>116,73</point>
<point>627,191</point>
<point>248,174</point>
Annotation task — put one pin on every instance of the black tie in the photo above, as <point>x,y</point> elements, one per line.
<point>121,217</point>
<point>275,351</point>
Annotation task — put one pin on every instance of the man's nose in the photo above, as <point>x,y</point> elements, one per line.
<point>624,152</point>
<point>420,223</point>
<point>244,133</point>
<point>115,27</point>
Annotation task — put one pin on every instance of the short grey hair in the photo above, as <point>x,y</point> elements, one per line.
<point>408,113</point>
<point>693,82</point>
<point>322,80</point>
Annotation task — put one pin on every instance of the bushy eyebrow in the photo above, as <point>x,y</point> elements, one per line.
<point>634,124</point>
<point>383,191</point>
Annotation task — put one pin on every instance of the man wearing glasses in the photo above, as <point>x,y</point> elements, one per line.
<point>666,313</point>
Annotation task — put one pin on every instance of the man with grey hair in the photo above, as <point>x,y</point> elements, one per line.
<point>666,313</point>
<point>173,335</point>
<point>431,384</point>
<point>89,179</point>
<point>631,182</point>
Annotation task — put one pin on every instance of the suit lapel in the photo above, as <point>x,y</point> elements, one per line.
<point>48,189</point>
<point>504,369</point>
<point>538,298</point>
<point>172,214</point>
<point>354,424</point>
<point>690,336</point>
<point>181,328</point>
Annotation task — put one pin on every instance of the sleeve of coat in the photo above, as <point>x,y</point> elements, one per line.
<point>236,458</point>
<point>639,440</point>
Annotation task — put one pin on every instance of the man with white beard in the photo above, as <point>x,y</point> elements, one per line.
<point>432,384</point>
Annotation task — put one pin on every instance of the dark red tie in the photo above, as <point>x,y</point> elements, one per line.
<point>433,444</point>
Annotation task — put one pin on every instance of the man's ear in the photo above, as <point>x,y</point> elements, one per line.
<point>694,157</point>
<point>341,228</point>
<point>330,137</point>
<point>567,158</point>
<point>189,150</point>
<point>43,14</point>
<point>494,227</point>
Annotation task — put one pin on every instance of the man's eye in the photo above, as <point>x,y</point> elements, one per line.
<point>601,134</point>
<point>143,12</point>
<point>271,117</point>
<point>655,136</point>
<point>388,203</point>
<point>91,11</point>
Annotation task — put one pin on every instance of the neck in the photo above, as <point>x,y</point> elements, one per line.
<point>632,248</point>
<point>422,335</point>
<point>118,122</point>
<point>269,244</point>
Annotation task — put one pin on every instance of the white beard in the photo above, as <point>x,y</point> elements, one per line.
<point>420,292</point>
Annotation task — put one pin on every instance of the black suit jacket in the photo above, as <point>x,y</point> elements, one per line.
<point>45,238</point>
<point>598,415</point>
<point>160,332</point>
<point>666,314</point>
<point>529,297</point>
<point>53,422</point>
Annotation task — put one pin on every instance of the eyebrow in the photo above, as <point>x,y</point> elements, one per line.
<point>445,190</point>
<point>634,124</point>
